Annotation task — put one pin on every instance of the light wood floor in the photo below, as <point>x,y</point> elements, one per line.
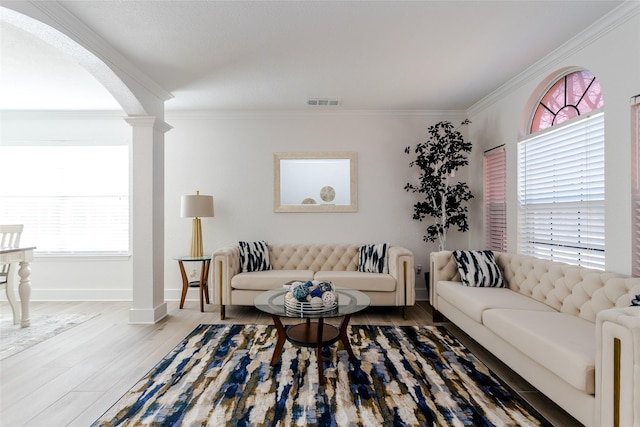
<point>74,377</point>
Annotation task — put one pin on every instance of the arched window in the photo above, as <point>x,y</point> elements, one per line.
<point>573,95</point>
<point>561,175</point>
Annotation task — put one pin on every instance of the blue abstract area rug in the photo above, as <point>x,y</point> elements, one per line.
<point>220,375</point>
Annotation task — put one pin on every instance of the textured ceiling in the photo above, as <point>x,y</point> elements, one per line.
<point>382,55</point>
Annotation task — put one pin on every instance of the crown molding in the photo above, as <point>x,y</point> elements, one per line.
<point>626,11</point>
<point>62,115</point>
<point>243,114</point>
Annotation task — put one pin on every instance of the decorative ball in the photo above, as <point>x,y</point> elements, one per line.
<point>308,283</point>
<point>317,302</point>
<point>329,299</point>
<point>316,292</point>
<point>289,296</point>
<point>325,286</point>
<point>300,292</point>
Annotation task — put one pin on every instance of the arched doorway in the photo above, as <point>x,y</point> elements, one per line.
<point>143,105</point>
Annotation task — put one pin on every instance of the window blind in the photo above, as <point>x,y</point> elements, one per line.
<point>72,199</point>
<point>635,185</point>
<point>495,199</point>
<point>561,193</point>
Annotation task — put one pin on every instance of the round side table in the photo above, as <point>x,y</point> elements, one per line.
<point>203,290</point>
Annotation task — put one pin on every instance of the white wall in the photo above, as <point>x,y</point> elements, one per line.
<point>612,54</point>
<point>230,156</point>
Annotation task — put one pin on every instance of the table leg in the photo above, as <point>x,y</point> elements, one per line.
<point>344,337</point>
<point>282,337</point>
<point>24,290</point>
<point>10,288</point>
<point>201,285</point>
<point>185,283</point>
<point>319,351</point>
<point>204,279</point>
<point>204,285</point>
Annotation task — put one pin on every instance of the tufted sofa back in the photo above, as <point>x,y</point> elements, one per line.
<point>579,291</point>
<point>316,257</point>
<point>570,289</point>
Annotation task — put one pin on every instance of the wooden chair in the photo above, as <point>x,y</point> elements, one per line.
<point>10,238</point>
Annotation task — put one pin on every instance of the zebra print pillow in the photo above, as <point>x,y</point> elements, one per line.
<point>254,256</point>
<point>478,269</point>
<point>636,300</point>
<point>373,258</point>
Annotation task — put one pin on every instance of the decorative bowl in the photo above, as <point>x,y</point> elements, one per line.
<point>310,297</point>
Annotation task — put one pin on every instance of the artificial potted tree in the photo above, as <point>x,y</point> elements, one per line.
<point>443,198</point>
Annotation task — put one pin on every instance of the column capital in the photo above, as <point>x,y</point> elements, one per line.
<point>149,121</point>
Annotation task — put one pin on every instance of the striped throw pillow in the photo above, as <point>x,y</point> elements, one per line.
<point>373,258</point>
<point>478,269</point>
<point>254,256</point>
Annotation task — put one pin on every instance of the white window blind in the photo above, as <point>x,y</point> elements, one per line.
<point>495,199</point>
<point>72,199</point>
<point>635,185</point>
<point>561,193</point>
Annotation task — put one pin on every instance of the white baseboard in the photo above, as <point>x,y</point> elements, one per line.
<point>148,316</point>
<point>99,295</point>
<point>421,294</point>
<point>127,295</point>
<point>79,295</point>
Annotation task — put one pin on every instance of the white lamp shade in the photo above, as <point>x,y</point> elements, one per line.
<point>196,206</point>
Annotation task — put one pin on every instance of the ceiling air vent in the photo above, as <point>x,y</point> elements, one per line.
<point>323,102</point>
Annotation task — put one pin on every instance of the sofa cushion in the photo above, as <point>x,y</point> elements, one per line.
<point>357,280</point>
<point>254,256</point>
<point>562,343</point>
<point>373,258</point>
<point>266,280</point>
<point>478,268</point>
<point>474,301</point>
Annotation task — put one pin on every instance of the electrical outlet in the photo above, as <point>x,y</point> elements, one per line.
<point>418,269</point>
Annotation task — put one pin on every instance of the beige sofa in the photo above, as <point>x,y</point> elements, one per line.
<point>336,263</point>
<point>567,330</point>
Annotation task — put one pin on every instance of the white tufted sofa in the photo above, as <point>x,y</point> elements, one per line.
<point>567,330</point>
<point>336,263</point>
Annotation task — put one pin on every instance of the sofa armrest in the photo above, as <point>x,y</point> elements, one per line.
<point>442,267</point>
<point>401,267</point>
<point>618,367</point>
<point>226,264</point>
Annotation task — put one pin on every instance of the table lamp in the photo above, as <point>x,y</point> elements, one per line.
<point>196,206</point>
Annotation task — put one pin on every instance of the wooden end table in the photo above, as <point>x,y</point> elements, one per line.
<point>203,290</point>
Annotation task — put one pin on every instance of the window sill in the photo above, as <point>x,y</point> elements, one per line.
<point>82,256</point>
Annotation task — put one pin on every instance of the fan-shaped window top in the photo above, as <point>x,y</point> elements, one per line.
<point>571,96</point>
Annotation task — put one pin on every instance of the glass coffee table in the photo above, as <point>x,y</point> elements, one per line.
<point>314,332</point>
